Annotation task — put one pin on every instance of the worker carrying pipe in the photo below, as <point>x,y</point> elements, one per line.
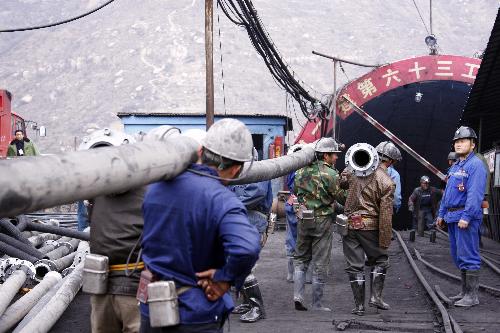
<point>115,234</point>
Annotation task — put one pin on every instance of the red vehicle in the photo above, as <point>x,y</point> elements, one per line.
<point>9,122</point>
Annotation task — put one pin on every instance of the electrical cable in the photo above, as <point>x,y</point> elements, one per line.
<point>59,22</point>
<point>243,13</point>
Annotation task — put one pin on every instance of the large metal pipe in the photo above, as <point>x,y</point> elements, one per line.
<point>66,178</point>
<point>58,230</point>
<point>277,167</point>
<point>29,249</point>
<point>49,315</point>
<point>10,288</point>
<point>51,245</point>
<point>39,239</point>
<point>74,176</point>
<point>40,305</point>
<point>11,251</point>
<point>12,230</point>
<point>22,306</point>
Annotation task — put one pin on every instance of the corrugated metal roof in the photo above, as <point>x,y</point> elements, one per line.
<point>482,111</point>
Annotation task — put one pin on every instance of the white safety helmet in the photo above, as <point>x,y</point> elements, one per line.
<point>106,137</point>
<point>231,139</point>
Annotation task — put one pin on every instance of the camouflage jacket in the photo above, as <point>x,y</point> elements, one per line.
<point>316,187</point>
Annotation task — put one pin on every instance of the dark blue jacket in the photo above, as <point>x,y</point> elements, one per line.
<point>472,174</point>
<point>256,196</point>
<point>194,223</point>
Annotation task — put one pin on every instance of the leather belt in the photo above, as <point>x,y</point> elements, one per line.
<point>454,209</point>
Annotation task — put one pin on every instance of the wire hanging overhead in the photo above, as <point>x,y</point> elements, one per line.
<point>243,14</point>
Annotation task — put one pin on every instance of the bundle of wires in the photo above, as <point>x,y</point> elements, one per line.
<point>243,13</point>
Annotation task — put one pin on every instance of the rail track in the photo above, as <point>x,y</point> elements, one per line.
<point>431,261</point>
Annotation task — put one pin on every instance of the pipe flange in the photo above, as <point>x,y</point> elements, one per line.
<point>51,242</point>
<point>3,267</point>
<point>14,264</point>
<point>42,267</point>
<point>67,244</point>
<point>361,159</point>
<point>67,271</point>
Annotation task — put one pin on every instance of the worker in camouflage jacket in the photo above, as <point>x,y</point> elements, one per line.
<point>317,192</point>
<point>369,208</point>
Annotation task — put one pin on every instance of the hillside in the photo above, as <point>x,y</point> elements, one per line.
<point>148,56</point>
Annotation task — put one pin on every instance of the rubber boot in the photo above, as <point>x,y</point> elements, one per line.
<point>256,311</point>
<point>377,278</point>
<point>471,287</point>
<point>245,306</point>
<point>462,293</point>
<point>299,280</point>
<point>358,290</point>
<point>317,295</point>
<point>309,274</point>
<point>289,275</point>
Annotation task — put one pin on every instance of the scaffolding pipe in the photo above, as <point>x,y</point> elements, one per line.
<point>49,315</point>
<point>22,306</point>
<point>28,249</point>
<point>66,178</point>
<point>10,288</point>
<point>33,226</point>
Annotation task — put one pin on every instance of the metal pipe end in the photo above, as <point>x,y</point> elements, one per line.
<point>42,268</point>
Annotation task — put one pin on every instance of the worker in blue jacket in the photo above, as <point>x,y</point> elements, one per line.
<point>461,210</point>
<point>197,233</point>
<point>258,199</point>
<point>390,155</point>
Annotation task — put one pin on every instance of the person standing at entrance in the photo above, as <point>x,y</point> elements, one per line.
<point>423,203</point>
<point>461,211</point>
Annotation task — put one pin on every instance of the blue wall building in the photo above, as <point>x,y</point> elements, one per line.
<point>264,128</point>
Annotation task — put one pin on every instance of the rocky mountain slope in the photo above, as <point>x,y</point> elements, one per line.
<point>148,56</point>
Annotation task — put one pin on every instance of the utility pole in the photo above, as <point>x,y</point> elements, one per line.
<point>209,62</point>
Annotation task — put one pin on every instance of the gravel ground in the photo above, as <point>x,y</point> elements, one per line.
<point>410,306</point>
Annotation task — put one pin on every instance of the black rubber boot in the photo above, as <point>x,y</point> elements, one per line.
<point>245,306</point>
<point>256,302</point>
<point>289,275</point>
<point>471,288</point>
<point>358,290</point>
<point>377,278</point>
<point>299,280</point>
<point>462,293</point>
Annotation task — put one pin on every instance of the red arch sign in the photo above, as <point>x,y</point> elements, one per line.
<point>394,75</point>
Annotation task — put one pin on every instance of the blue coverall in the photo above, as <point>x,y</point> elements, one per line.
<point>194,223</point>
<point>258,199</point>
<point>464,203</point>
<point>291,220</point>
<point>397,193</point>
